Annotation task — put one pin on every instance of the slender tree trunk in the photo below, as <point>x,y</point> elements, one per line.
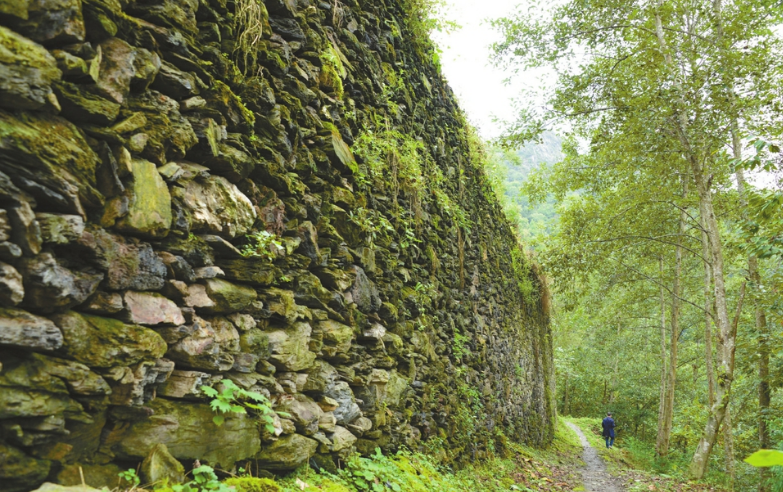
<point>663,447</point>
<point>708,348</point>
<point>565,395</point>
<point>728,447</point>
<point>664,372</point>
<point>762,331</point>
<point>726,336</point>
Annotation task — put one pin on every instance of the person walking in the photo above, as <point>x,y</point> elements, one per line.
<point>608,425</point>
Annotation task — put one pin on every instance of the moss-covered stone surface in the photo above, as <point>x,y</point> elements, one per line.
<point>297,210</point>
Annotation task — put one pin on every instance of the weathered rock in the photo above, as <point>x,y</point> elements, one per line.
<point>161,467</point>
<point>169,134</point>
<point>364,293</point>
<point>348,410</point>
<point>50,287</point>
<point>184,384</point>
<point>201,349</point>
<point>304,412</point>
<point>188,432</point>
<point>129,263</point>
<point>26,231</point>
<point>136,385</point>
<point>19,472</point>
<point>151,309</point>
<point>104,303</point>
<point>53,22</point>
<point>341,439</point>
<point>116,69</point>
<point>216,206</point>
<point>105,342</point>
<point>255,342</point>
<point>149,209</point>
<point>51,487</point>
<point>60,229</point>
<point>360,426</point>
<point>82,105</point>
<point>227,297</point>
<point>328,421</point>
<point>11,288</point>
<point>53,158</point>
<point>24,330</point>
<point>336,337</point>
<point>94,476</point>
<point>27,72</point>
<point>287,453</point>
<point>290,347</point>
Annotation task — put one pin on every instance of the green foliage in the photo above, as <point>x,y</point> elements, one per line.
<point>262,244</point>
<point>233,399</point>
<point>765,458</point>
<point>204,480</point>
<point>130,476</point>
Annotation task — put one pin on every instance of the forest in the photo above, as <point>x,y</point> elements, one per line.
<point>662,222</point>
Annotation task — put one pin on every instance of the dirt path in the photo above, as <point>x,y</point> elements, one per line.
<point>594,475</point>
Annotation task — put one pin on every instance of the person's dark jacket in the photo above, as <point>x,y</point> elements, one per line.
<point>608,425</point>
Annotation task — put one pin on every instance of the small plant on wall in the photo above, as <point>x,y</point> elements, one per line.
<point>233,399</point>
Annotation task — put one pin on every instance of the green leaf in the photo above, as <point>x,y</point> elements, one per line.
<point>270,428</point>
<point>765,458</point>
<point>218,420</point>
<point>211,392</point>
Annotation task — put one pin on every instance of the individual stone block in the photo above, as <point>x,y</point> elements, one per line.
<point>136,385</point>
<point>215,206</point>
<point>227,297</point>
<point>104,303</point>
<point>129,263</point>
<point>184,384</point>
<point>59,228</point>
<point>341,439</point>
<point>115,69</point>
<point>151,309</point>
<point>336,337</point>
<point>53,22</point>
<point>24,330</point>
<point>201,349</point>
<point>149,207</point>
<point>51,156</point>
<point>19,472</point>
<point>106,342</point>
<point>287,453</point>
<point>11,288</point>
<point>83,106</point>
<point>27,72</point>
<point>290,348</point>
<point>161,467</point>
<point>347,410</point>
<point>50,287</point>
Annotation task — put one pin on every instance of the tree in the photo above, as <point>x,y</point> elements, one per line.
<point>664,85</point>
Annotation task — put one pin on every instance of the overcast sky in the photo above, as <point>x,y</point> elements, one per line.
<point>465,61</point>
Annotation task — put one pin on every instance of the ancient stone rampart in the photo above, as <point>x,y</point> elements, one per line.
<point>283,195</point>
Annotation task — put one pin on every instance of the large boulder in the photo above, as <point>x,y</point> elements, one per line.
<point>149,206</point>
<point>107,342</point>
<point>290,347</point>
<point>23,330</point>
<point>188,432</point>
<point>287,453</point>
<point>27,72</point>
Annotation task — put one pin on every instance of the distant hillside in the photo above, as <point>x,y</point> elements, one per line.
<point>516,167</point>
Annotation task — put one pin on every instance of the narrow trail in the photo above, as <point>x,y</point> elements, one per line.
<point>594,475</point>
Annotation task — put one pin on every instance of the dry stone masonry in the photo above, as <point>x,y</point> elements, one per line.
<point>187,195</point>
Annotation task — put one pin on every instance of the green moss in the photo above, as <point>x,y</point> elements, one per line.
<point>253,484</point>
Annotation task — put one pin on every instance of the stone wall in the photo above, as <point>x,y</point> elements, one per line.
<point>190,191</point>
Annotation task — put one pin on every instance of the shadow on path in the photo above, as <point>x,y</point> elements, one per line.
<point>594,475</point>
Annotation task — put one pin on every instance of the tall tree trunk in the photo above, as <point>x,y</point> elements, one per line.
<point>664,372</point>
<point>726,337</point>
<point>663,448</point>
<point>565,395</point>
<point>762,331</point>
<point>708,348</point>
